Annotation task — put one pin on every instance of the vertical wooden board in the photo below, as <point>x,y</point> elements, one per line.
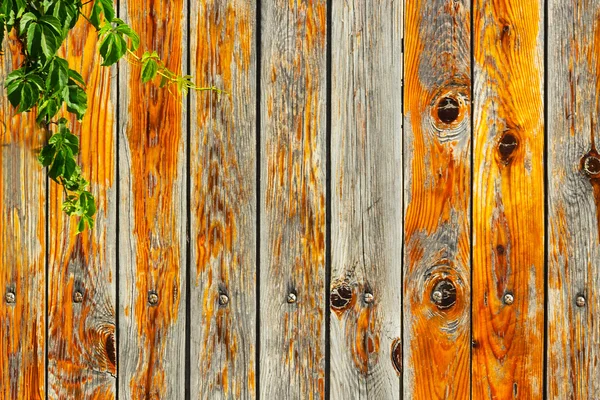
<point>81,334</point>
<point>437,150</point>
<point>223,201</point>
<point>22,246</point>
<point>508,200</point>
<point>152,211</point>
<point>366,151</point>
<point>573,199</point>
<point>292,261</point>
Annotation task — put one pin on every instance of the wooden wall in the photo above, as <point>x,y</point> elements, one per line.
<point>394,200</point>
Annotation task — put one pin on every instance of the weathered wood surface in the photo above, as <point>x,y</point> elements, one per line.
<point>508,200</point>
<point>152,211</point>
<point>292,193</point>
<point>366,226</point>
<point>22,246</point>
<point>573,199</point>
<point>223,201</point>
<point>437,143</point>
<point>82,268</point>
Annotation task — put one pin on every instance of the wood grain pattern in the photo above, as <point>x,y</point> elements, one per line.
<point>152,207</point>
<point>22,246</point>
<point>223,201</point>
<point>366,150</point>
<point>573,199</point>
<point>508,200</point>
<point>437,143</point>
<point>293,79</point>
<point>81,335</point>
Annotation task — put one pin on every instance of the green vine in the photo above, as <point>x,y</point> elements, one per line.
<point>44,82</point>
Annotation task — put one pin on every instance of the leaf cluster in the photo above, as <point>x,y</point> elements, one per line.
<point>45,82</point>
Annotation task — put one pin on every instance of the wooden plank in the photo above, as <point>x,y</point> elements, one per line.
<point>22,246</point>
<point>366,226</point>
<point>152,211</point>
<point>292,253</point>
<point>573,199</point>
<point>508,200</point>
<point>437,151</point>
<point>223,201</point>
<point>82,268</point>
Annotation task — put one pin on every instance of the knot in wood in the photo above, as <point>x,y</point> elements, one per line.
<point>443,294</point>
<point>78,297</point>
<point>508,144</point>
<point>152,298</point>
<point>580,301</point>
<point>10,298</point>
<point>291,298</point>
<point>448,109</point>
<point>591,165</point>
<point>509,299</point>
<point>223,299</point>
<point>340,297</point>
<point>397,355</point>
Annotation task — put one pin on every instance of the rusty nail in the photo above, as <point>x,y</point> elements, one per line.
<point>78,297</point>
<point>591,165</point>
<point>580,301</point>
<point>369,298</point>
<point>223,299</point>
<point>152,298</point>
<point>508,299</point>
<point>291,298</point>
<point>10,297</point>
<point>437,296</point>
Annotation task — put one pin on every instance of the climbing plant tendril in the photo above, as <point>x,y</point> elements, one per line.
<point>45,82</point>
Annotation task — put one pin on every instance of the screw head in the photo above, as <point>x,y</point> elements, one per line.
<point>508,299</point>
<point>78,297</point>
<point>223,299</point>
<point>10,298</point>
<point>369,298</point>
<point>291,298</point>
<point>437,296</point>
<point>152,298</point>
<point>580,301</point>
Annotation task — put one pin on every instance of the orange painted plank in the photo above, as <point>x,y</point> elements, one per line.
<point>508,200</point>
<point>152,211</point>
<point>22,246</point>
<point>366,164</point>
<point>81,332</point>
<point>437,151</point>
<point>573,199</point>
<point>223,201</point>
<point>292,262</point>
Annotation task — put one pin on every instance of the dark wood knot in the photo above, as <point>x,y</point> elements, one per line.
<point>507,146</point>
<point>448,109</point>
<point>444,294</point>
<point>397,355</point>
<point>591,165</point>
<point>341,297</point>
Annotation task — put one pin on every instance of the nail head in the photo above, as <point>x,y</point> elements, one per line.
<point>291,298</point>
<point>369,298</point>
<point>509,299</point>
<point>152,298</point>
<point>223,299</point>
<point>10,298</point>
<point>580,301</point>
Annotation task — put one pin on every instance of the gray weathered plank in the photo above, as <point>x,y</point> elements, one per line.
<point>292,261</point>
<point>152,206</point>
<point>81,331</point>
<point>508,199</point>
<point>22,246</point>
<point>437,150</point>
<point>366,151</point>
<point>573,199</point>
<point>223,201</point>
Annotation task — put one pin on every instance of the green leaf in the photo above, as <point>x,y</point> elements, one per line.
<point>112,48</point>
<point>47,154</point>
<point>149,70</point>
<point>102,7</point>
